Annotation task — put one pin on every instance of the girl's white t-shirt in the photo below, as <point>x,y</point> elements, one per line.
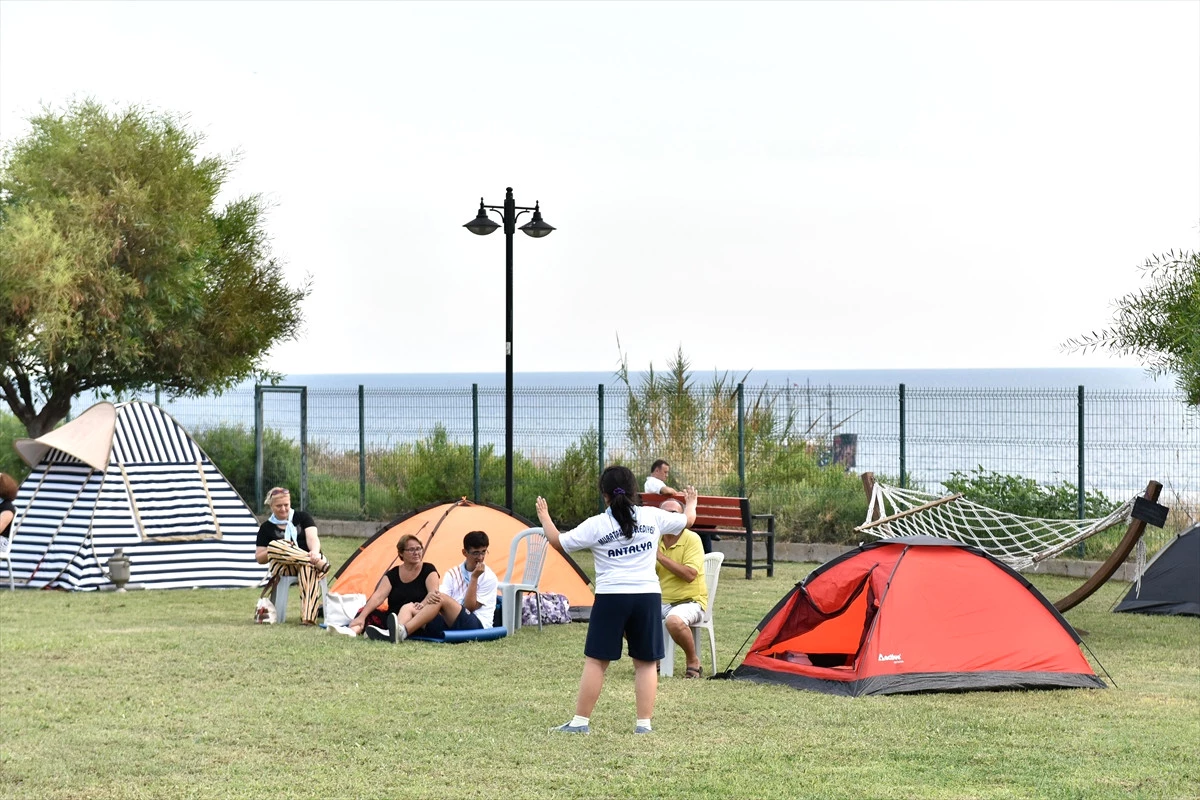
<point>624,566</point>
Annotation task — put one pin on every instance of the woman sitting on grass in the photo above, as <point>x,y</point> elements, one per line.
<point>415,603</point>
<point>8,511</point>
<point>624,542</point>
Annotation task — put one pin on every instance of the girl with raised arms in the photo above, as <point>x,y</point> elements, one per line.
<point>624,542</point>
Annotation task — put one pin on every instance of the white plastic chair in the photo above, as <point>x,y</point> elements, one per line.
<point>510,589</point>
<point>6,557</point>
<point>279,595</point>
<point>712,571</point>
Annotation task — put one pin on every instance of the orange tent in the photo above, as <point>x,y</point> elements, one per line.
<point>441,528</point>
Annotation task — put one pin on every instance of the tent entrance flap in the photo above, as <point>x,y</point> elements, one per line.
<point>840,634</point>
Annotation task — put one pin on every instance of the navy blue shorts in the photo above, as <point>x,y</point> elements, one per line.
<point>466,621</point>
<point>434,629</point>
<point>635,617</point>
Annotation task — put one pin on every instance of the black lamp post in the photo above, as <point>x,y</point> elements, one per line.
<point>482,225</point>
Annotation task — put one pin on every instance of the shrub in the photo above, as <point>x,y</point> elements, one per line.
<point>434,470</point>
<point>1026,497</point>
<point>231,448</point>
<point>811,502</point>
<point>11,429</point>
<point>570,485</point>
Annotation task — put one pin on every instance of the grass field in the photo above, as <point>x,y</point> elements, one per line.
<point>175,694</point>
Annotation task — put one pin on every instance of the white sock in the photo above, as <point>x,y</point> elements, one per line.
<point>644,723</point>
<point>578,720</point>
<point>401,632</point>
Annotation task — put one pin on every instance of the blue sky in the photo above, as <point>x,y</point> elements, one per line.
<point>770,185</point>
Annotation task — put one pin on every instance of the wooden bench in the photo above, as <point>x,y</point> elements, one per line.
<point>729,517</point>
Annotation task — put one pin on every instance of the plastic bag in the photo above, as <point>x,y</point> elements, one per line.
<point>555,609</point>
<point>264,612</point>
<point>341,608</point>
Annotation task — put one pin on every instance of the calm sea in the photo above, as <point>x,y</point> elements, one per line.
<point>1136,427</point>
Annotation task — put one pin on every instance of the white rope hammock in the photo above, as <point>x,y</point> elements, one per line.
<point>1020,542</point>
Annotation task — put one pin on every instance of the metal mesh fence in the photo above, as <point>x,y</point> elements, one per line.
<point>922,434</point>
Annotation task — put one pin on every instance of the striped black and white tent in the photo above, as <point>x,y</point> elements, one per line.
<point>129,476</point>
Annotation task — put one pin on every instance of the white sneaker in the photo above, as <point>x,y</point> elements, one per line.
<point>342,629</point>
<point>396,632</point>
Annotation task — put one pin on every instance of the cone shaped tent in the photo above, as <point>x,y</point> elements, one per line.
<point>441,528</point>
<point>916,614</point>
<point>129,476</point>
<point>1171,582</point>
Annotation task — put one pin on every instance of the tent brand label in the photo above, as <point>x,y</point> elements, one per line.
<point>895,657</point>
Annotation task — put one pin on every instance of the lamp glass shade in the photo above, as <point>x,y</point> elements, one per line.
<point>482,225</point>
<point>537,227</point>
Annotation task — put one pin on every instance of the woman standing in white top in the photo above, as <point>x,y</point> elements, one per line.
<point>624,542</point>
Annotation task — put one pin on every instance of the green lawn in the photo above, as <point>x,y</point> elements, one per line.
<point>177,694</point>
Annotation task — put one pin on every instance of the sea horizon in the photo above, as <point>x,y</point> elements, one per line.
<point>979,378</point>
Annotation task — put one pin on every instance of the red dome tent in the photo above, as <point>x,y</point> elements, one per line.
<point>916,614</point>
<point>441,528</point>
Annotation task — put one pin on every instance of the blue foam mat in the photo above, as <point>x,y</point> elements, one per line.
<point>458,637</point>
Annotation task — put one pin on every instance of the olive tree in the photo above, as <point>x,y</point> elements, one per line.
<point>1159,323</point>
<point>118,270</point>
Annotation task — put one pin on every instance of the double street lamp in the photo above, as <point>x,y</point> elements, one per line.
<point>482,225</point>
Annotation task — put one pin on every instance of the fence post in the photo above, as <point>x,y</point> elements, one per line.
<point>475,437</point>
<point>1079,496</point>
<point>741,400</point>
<point>158,395</point>
<point>362,453</point>
<point>304,448</point>
<point>258,447</point>
<point>903,475</point>
<point>600,439</point>
<point>1080,489</point>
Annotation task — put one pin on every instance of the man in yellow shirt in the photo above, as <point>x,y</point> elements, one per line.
<point>680,571</point>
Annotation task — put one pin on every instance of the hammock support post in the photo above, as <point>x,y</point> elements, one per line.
<point>1136,528</point>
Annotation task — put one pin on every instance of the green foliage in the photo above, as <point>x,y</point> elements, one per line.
<point>811,502</point>
<point>1026,497</point>
<point>571,485</point>
<point>1160,323</point>
<point>435,470</point>
<point>695,428</point>
<point>231,448</point>
<point>11,429</point>
<point>117,272</point>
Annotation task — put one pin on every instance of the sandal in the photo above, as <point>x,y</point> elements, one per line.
<point>693,672</point>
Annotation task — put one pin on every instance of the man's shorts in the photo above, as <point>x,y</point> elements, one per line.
<point>466,621</point>
<point>690,612</point>
<point>616,617</point>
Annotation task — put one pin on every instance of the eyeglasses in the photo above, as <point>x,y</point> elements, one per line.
<point>414,549</point>
<point>477,553</point>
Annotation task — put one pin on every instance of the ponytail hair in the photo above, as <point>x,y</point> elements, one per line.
<point>619,489</point>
